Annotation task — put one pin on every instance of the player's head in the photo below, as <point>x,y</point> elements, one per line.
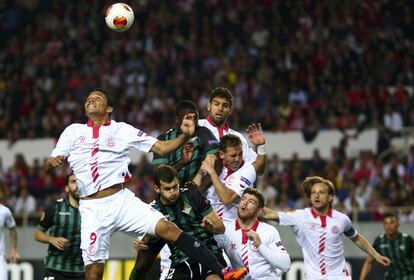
<point>71,186</point>
<point>98,103</point>
<point>390,224</point>
<point>167,184</point>
<point>220,105</point>
<point>251,204</point>
<point>231,151</point>
<point>187,109</point>
<point>319,191</point>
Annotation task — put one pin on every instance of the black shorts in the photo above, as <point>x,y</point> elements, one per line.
<point>190,270</point>
<point>51,274</point>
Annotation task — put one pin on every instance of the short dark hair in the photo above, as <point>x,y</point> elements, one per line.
<point>67,178</point>
<point>390,215</point>
<point>223,93</point>
<point>257,194</point>
<point>108,97</point>
<point>165,173</point>
<point>229,140</point>
<point>184,107</point>
<point>310,181</point>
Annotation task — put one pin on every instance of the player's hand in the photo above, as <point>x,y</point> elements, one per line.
<point>207,224</point>
<point>208,163</point>
<point>14,256</point>
<point>59,242</point>
<point>383,260</point>
<point>255,134</point>
<point>55,161</point>
<point>188,124</point>
<point>140,245</point>
<point>252,235</point>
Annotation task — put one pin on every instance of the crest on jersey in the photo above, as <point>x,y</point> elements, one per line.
<point>334,230</point>
<point>186,208</point>
<point>110,142</point>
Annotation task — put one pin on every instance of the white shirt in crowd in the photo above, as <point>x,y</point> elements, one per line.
<point>98,155</point>
<point>320,239</point>
<point>267,262</point>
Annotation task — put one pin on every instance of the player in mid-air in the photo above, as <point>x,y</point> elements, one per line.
<point>318,230</point>
<point>219,109</point>
<point>98,155</point>
<point>191,212</point>
<point>59,226</point>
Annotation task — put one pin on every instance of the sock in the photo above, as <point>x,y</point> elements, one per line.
<point>196,250</point>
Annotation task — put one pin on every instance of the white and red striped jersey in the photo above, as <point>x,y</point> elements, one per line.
<point>248,154</point>
<point>235,180</point>
<point>320,239</point>
<point>6,222</point>
<point>267,262</point>
<point>98,155</point>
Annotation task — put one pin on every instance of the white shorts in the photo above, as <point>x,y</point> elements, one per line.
<point>165,263</point>
<point>101,217</point>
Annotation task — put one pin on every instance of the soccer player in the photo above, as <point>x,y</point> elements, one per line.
<point>187,159</point>
<point>219,109</point>
<point>236,175</point>
<point>191,212</point>
<point>62,221</point>
<point>318,230</point>
<point>7,222</point>
<point>98,155</point>
<point>397,246</point>
<point>258,243</point>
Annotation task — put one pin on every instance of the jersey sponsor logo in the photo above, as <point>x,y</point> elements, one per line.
<point>197,244</point>
<point>64,213</point>
<point>334,230</point>
<point>186,208</point>
<point>245,180</point>
<point>141,133</point>
<point>110,142</point>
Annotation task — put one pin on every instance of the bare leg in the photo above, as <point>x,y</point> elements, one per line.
<point>94,271</point>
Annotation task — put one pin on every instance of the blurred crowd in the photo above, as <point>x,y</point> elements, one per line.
<point>292,66</point>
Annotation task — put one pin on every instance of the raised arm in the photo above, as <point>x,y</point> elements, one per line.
<point>269,214</point>
<point>256,137</point>
<point>365,246</point>
<point>166,147</point>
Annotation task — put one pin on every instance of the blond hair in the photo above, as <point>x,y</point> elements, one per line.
<point>310,181</point>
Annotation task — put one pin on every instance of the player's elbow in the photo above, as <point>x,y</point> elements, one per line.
<point>229,198</point>
<point>284,264</point>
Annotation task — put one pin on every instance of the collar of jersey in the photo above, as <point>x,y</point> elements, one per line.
<point>254,227</point>
<point>225,125</point>
<point>315,214</point>
<point>90,123</point>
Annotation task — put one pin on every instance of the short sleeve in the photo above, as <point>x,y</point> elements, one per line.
<point>63,145</point>
<point>242,179</point>
<point>200,202</point>
<point>291,218</point>
<point>137,139</point>
<point>349,230</point>
<point>9,221</point>
<point>210,145</point>
<point>46,220</point>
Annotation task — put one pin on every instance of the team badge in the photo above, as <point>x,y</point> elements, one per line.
<point>110,142</point>
<point>334,230</point>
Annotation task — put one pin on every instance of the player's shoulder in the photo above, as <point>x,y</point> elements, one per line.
<point>238,134</point>
<point>4,209</point>
<point>265,227</point>
<point>340,215</point>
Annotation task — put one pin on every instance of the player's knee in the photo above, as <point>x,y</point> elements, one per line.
<point>167,230</point>
<point>94,271</point>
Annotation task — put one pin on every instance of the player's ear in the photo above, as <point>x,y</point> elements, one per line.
<point>157,189</point>
<point>221,154</point>
<point>259,212</point>
<point>109,109</point>
<point>66,189</point>
<point>208,106</point>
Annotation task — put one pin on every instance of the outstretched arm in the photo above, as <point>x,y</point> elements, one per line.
<point>363,243</point>
<point>269,214</point>
<point>256,137</point>
<point>366,268</point>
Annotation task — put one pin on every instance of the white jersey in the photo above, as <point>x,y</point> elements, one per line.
<point>6,222</point>
<point>236,181</point>
<point>248,154</point>
<point>267,262</point>
<point>98,155</point>
<point>320,239</point>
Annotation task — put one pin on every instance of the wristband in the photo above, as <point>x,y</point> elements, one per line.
<point>261,150</point>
